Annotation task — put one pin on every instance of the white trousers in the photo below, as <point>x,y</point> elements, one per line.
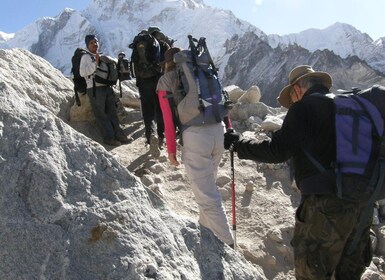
<point>201,154</point>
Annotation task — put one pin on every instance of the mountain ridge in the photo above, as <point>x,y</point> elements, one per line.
<point>55,39</point>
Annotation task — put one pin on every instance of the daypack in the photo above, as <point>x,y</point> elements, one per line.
<point>360,144</point>
<point>106,73</point>
<point>124,69</point>
<point>199,97</point>
<point>80,85</point>
<point>145,56</point>
<point>360,150</point>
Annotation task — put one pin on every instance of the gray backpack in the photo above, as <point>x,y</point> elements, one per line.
<point>107,72</point>
<point>199,96</point>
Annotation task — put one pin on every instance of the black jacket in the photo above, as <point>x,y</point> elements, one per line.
<point>308,125</point>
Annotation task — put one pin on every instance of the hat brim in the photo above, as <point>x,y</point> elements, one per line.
<point>284,96</point>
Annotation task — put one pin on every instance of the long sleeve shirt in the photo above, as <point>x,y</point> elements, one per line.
<point>309,126</point>
<point>166,85</point>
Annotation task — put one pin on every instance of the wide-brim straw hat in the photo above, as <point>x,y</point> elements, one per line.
<point>297,74</point>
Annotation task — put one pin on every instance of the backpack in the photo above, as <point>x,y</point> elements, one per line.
<point>360,150</point>
<point>199,97</point>
<point>360,144</point>
<point>145,56</point>
<point>107,72</point>
<point>80,85</point>
<point>124,69</point>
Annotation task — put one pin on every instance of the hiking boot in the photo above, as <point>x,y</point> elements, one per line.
<point>112,142</point>
<point>124,139</point>
<point>154,146</point>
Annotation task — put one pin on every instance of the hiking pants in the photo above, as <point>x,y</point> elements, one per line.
<point>150,107</point>
<point>201,153</point>
<point>104,108</point>
<point>324,229</point>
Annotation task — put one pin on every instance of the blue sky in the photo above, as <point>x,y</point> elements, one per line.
<point>271,16</point>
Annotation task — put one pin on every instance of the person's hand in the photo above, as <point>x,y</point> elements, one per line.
<point>172,159</point>
<point>231,137</point>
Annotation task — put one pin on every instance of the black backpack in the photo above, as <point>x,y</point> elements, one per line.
<point>145,56</point>
<point>123,69</point>
<point>80,85</point>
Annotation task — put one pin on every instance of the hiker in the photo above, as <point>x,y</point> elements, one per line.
<point>102,97</point>
<point>325,224</point>
<point>201,154</point>
<point>145,60</point>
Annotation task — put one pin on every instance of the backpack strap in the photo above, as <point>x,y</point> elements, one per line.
<point>322,169</point>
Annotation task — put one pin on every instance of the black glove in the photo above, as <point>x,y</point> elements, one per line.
<point>231,137</point>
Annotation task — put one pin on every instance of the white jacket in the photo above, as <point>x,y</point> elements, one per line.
<point>87,69</point>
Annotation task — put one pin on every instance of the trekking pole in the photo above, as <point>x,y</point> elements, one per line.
<point>194,55</point>
<point>234,222</point>
<point>202,41</point>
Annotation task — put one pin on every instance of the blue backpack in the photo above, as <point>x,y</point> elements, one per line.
<point>360,145</point>
<point>360,149</point>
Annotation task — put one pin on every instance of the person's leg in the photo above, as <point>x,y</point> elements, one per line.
<point>353,265</point>
<point>98,103</point>
<point>199,145</point>
<point>147,107</point>
<point>110,109</point>
<point>323,225</point>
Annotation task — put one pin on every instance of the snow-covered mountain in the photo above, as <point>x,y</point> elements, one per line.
<point>244,53</point>
<point>5,37</point>
<point>343,39</point>
<point>252,61</point>
<point>117,23</point>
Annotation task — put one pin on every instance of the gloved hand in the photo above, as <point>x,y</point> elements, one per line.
<point>231,137</point>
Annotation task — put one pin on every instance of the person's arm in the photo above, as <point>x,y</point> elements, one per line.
<point>274,151</point>
<point>169,126</point>
<point>284,142</point>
